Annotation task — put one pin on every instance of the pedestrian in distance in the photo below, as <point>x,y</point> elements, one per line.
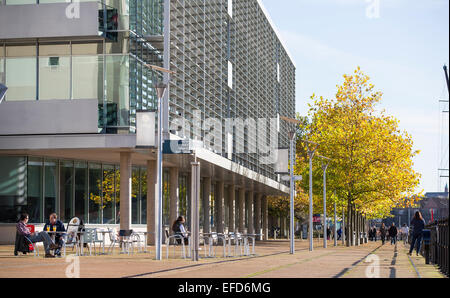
<point>383,233</point>
<point>418,224</point>
<point>405,233</point>
<point>393,233</point>
<point>374,233</point>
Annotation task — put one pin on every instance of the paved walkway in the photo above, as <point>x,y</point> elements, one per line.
<point>273,261</point>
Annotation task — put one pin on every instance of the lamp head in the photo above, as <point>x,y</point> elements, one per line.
<point>160,89</point>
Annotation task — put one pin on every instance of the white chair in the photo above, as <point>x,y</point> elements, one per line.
<point>113,238</point>
<point>175,237</point>
<point>71,238</point>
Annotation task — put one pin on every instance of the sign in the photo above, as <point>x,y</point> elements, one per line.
<point>317,219</point>
<point>282,163</point>
<point>145,129</point>
<point>178,147</point>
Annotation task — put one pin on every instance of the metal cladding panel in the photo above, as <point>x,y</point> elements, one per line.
<point>49,117</point>
<point>49,20</point>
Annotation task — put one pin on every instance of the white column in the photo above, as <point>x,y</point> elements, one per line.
<point>151,197</point>
<point>125,190</point>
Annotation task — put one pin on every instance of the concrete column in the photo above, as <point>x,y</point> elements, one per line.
<point>231,206</point>
<point>174,193</point>
<point>219,203</point>
<point>265,217</point>
<point>206,205</point>
<point>125,190</point>
<point>258,215</point>
<point>241,201</point>
<point>151,197</point>
<point>250,214</point>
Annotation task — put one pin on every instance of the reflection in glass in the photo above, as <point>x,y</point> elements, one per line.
<point>135,194</point>
<point>54,77</point>
<point>81,191</point>
<point>143,196</point>
<point>13,174</point>
<point>117,192</point>
<point>66,190</point>
<point>95,193</point>
<point>166,199</point>
<point>108,194</point>
<point>19,2</point>
<point>34,187</point>
<point>50,188</point>
<point>87,77</point>
<point>21,78</point>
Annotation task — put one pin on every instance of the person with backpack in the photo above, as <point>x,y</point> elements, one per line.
<point>418,224</point>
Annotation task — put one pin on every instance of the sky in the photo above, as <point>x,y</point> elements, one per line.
<point>402,45</point>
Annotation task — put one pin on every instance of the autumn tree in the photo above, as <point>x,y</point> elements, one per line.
<point>371,167</point>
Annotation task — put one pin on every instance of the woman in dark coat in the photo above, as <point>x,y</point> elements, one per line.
<point>383,233</point>
<point>418,224</point>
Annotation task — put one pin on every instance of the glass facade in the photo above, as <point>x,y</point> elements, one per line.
<point>89,191</point>
<point>111,70</point>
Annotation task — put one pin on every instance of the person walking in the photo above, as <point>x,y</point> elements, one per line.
<point>383,233</point>
<point>374,233</point>
<point>393,233</point>
<point>418,224</point>
<point>405,233</point>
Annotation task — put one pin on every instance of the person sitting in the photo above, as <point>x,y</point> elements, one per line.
<point>22,229</point>
<point>55,225</point>
<point>179,229</point>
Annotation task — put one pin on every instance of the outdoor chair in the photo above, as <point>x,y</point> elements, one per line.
<point>90,236</point>
<point>113,238</point>
<point>71,238</point>
<point>175,237</point>
<point>23,243</point>
<point>125,241</point>
<point>237,238</point>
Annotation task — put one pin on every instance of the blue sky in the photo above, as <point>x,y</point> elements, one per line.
<point>403,50</point>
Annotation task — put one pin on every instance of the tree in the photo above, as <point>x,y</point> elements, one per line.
<point>371,167</point>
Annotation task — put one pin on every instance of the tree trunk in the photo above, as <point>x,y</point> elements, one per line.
<point>348,225</point>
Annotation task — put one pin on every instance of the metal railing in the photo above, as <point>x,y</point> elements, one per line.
<point>437,252</point>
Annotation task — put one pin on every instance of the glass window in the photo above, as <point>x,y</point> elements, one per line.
<point>87,77</point>
<point>13,172</point>
<point>135,196</point>
<point>108,194</point>
<point>34,187</point>
<point>2,70</point>
<point>50,175</point>
<point>87,48</point>
<point>81,191</point>
<point>166,199</point>
<point>117,192</point>
<point>143,196</point>
<point>117,89</point>
<point>21,78</point>
<point>95,193</point>
<point>66,190</point>
<point>18,2</point>
<point>54,78</point>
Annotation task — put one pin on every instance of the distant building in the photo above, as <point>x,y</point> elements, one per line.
<point>434,206</point>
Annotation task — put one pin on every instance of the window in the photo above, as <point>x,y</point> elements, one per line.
<point>50,187</point>
<point>12,188</point>
<point>54,71</point>
<point>108,194</point>
<point>21,72</point>
<point>81,191</point>
<point>34,190</point>
<point>66,190</point>
<point>230,75</point>
<point>95,193</point>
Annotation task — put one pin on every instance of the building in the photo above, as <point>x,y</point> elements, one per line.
<point>78,77</point>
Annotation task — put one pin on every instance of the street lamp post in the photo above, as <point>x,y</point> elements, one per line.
<point>324,168</point>
<point>160,89</point>
<point>311,156</point>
